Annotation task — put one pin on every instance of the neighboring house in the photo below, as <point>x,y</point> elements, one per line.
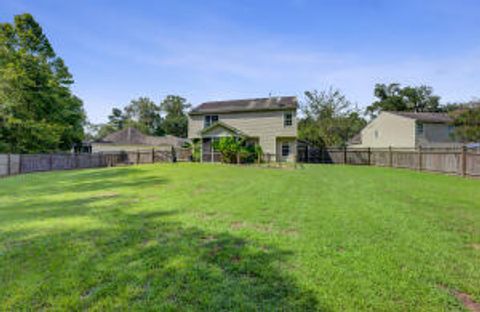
<point>131,139</point>
<point>407,130</point>
<point>270,123</point>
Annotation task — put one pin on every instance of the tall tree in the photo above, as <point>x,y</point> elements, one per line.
<point>330,119</point>
<point>38,111</point>
<point>467,122</point>
<point>176,120</point>
<point>143,114</point>
<point>117,119</point>
<point>393,97</point>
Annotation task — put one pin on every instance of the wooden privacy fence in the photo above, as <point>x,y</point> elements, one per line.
<point>12,164</point>
<point>461,161</point>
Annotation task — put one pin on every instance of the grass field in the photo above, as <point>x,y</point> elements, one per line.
<point>213,237</point>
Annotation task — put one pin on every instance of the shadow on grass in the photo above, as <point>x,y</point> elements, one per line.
<point>145,261</point>
<point>42,184</point>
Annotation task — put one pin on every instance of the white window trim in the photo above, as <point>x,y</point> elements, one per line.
<point>285,119</point>
<point>205,117</point>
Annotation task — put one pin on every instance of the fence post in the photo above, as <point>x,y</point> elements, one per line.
<point>464,160</point>
<point>153,155</point>
<point>238,158</point>
<point>20,163</point>
<point>419,158</point>
<point>138,156</point>
<point>390,157</point>
<point>369,151</point>
<point>345,155</point>
<point>9,164</point>
<point>50,160</point>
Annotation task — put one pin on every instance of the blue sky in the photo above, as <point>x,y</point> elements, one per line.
<point>211,50</point>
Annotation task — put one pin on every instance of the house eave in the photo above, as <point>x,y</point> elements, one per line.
<point>198,113</point>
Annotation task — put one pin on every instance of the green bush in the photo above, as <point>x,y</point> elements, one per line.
<point>196,150</point>
<point>228,147</point>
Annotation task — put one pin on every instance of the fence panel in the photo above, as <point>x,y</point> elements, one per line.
<point>333,156</point>
<point>35,163</point>
<point>380,157</point>
<point>163,156</point>
<point>4,165</point>
<point>473,163</point>
<point>442,161</point>
<point>145,157</point>
<point>183,154</point>
<point>359,157</point>
<point>446,160</point>
<point>16,164</point>
<point>405,159</point>
<point>63,162</point>
<point>449,161</point>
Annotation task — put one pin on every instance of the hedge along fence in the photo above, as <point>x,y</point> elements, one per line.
<point>461,161</point>
<point>12,164</point>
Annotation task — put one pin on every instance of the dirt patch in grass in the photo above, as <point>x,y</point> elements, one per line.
<point>464,298</point>
<point>237,225</point>
<point>467,301</point>
<point>105,195</point>
<point>476,246</point>
<point>264,228</point>
<point>290,232</point>
<point>199,190</point>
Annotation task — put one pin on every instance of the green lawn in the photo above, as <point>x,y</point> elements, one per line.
<point>212,237</point>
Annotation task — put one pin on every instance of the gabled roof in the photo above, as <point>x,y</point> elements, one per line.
<point>245,105</point>
<point>426,117</point>
<point>132,136</point>
<point>356,139</point>
<point>225,126</point>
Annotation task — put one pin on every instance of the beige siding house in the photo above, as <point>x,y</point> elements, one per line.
<point>407,130</point>
<point>269,122</point>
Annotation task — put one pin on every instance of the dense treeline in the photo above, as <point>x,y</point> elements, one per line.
<point>168,117</point>
<point>38,111</point>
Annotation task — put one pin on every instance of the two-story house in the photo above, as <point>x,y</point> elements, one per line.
<point>407,130</point>
<point>269,122</point>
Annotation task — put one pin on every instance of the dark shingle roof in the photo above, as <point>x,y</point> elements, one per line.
<point>261,104</point>
<point>132,136</point>
<point>426,117</point>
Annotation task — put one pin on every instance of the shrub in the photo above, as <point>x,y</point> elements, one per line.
<point>228,147</point>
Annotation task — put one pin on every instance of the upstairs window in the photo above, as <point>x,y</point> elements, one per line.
<point>210,120</point>
<point>285,149</point>
<point>419,128</point>
<point>287,119</point>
